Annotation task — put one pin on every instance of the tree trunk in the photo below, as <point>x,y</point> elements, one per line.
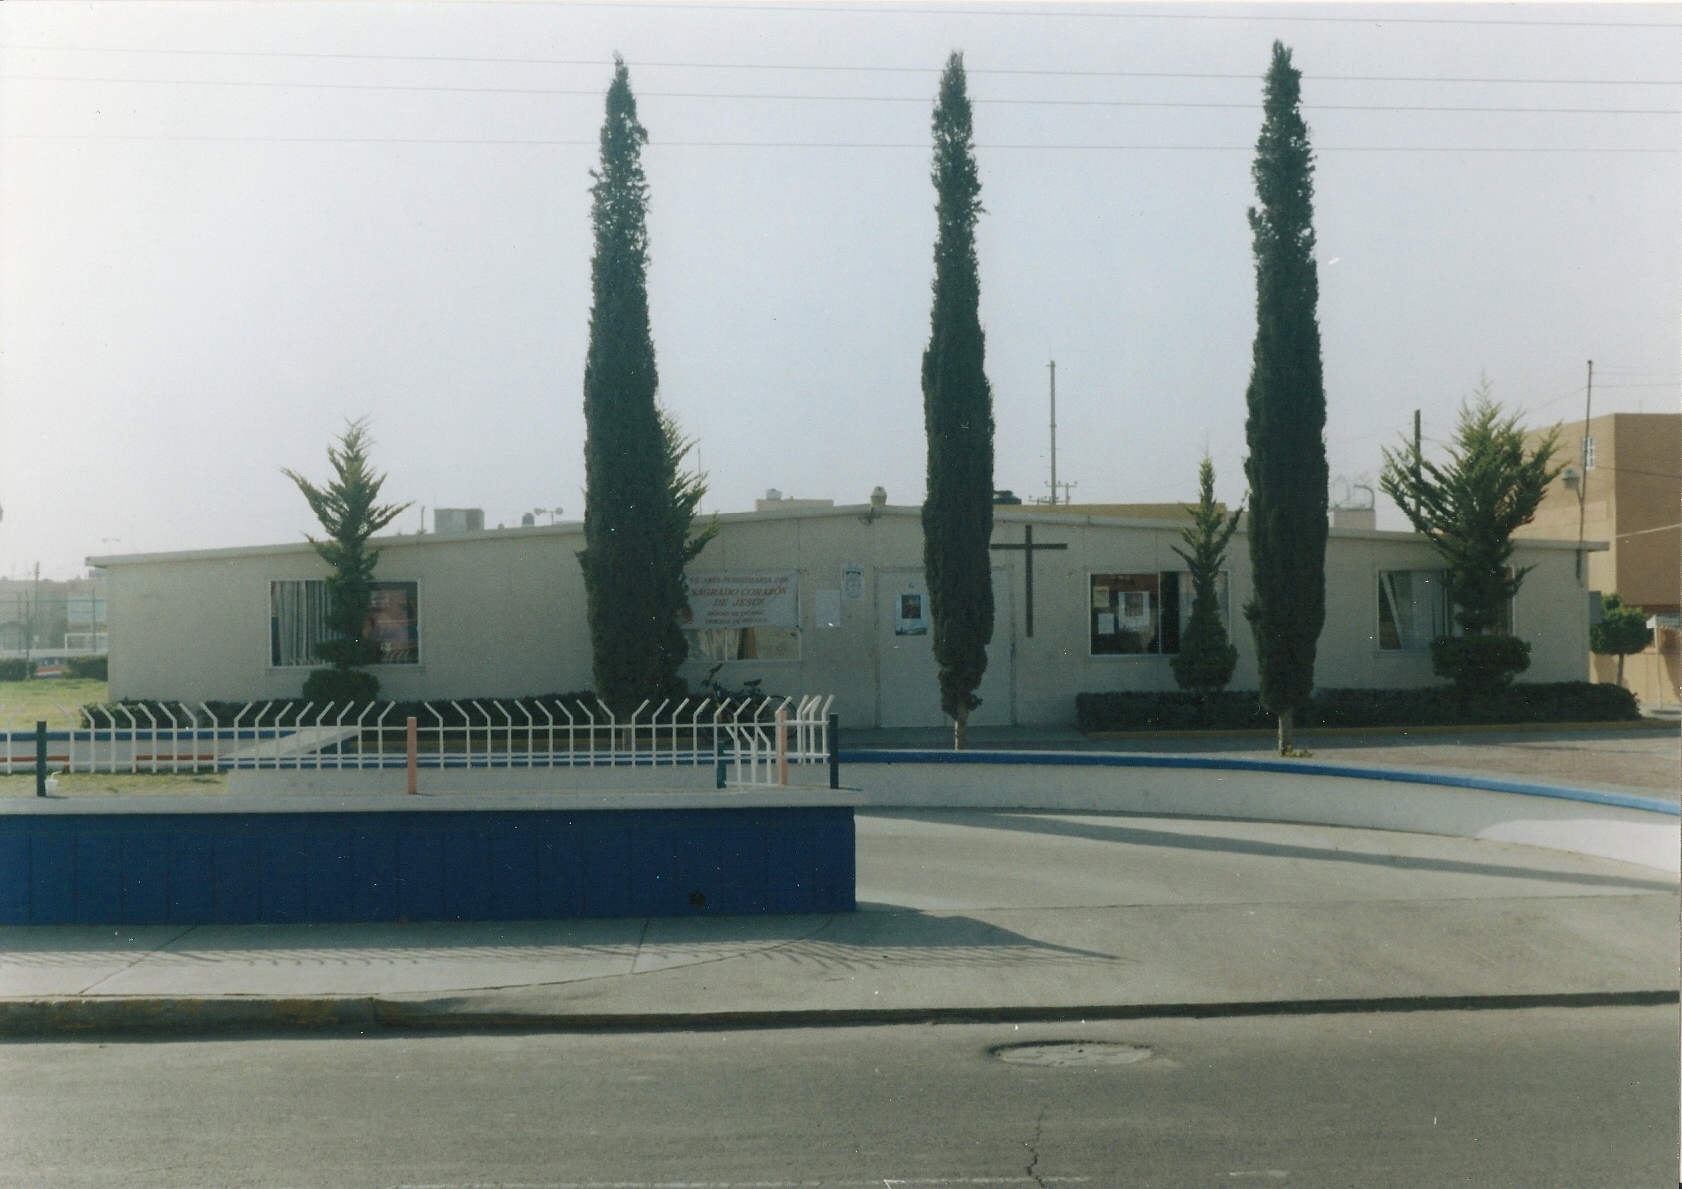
<point>960,731</point>
<point>1286,744</point>
<point>1620,668</point>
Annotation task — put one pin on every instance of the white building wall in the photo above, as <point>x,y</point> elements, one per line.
<point>502,613</point>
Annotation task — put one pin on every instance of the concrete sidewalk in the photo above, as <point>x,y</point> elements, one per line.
<point>963,914</point>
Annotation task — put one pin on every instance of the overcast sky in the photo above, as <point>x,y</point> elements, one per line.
<point>226,228</point>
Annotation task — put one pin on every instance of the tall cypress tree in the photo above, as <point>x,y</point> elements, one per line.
<point>958,418</point>
<point>1286,425</point>
<point>637,504</point>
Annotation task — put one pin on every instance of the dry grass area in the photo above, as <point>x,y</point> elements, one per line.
<point>28,702</point>
<point>84,784</point>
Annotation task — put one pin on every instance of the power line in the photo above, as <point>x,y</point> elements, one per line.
<point>772,144</point>
<point>1086,14</point>
<point>596,93</point>
<point>598,64</point>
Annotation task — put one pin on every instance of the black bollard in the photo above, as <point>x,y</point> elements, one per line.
<point>718,759</point>
<point>835,751</point>
<point>41,759</point>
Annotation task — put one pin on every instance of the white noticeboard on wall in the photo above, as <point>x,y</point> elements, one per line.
<point>852,582</point>
<point>827,608</point>
<point>760,599</point>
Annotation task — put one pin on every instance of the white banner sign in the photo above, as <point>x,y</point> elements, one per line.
<point>752,600</point>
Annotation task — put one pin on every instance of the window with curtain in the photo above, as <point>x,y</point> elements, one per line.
<point>298,622</point>
<point>1412,609</point>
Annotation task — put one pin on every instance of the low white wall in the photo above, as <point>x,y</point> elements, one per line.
<point>1606,831</point>
<point>328,781</point>
<point>1651,839</point>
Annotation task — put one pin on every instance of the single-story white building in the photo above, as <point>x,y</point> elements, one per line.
<point>809,599</point>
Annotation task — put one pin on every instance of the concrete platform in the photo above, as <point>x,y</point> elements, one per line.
<point>963,914</point>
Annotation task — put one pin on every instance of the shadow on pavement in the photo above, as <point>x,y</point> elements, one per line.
<point>1137,836</point>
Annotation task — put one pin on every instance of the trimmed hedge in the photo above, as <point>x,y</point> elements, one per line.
<point>90,668</point>
<point>1433,706</point>
<point>290,712</point>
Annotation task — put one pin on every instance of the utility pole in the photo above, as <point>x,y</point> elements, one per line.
<point>29,630</point>
<point>1053,366</point>
<point>1416,438</point>
<point>1583,470</point>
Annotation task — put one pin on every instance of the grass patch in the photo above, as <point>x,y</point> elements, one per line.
<point>88,784</point>
<point>31,701</point>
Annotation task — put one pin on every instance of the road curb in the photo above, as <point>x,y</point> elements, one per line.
<point>69,1019</point>
<point>1622,724</point>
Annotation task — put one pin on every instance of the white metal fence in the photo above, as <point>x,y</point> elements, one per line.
<point>752,741</point>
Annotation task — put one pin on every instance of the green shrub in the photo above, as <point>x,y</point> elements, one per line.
<point>1433,706</point>
<point>14,669</point>
<point>341,687</point>
<point>1479,666</point>
<point>1621,631</point>
<point>90,668</point>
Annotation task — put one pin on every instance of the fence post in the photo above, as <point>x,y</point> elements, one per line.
<point>41,758</point>
<point>834,751</point>
<point>414,759</point>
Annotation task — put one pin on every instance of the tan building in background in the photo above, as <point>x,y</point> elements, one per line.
<point>1624,485</point>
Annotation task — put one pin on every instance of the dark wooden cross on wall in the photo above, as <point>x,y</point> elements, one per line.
<point>1028,547</point>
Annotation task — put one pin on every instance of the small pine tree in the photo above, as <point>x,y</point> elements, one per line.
<point>958,419</point>
<point>1206,658</point>
<point>349,511</point>
<point>1286,401</point>
<point>1621,631</point>
<point>1469,508</point>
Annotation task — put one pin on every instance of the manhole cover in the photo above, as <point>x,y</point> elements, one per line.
<point>1073,1052</point>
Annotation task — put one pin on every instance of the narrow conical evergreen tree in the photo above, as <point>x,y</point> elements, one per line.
<point>1285,428</point>
<point>637,504</point>
<point>958,418</point>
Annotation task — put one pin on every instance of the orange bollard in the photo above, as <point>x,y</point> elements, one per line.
<point>782,746</point>
<point>414,747</point>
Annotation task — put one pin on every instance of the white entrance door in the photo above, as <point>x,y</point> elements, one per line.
<point>908,683</point>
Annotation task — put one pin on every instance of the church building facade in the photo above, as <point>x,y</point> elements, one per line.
<point>807,599</point>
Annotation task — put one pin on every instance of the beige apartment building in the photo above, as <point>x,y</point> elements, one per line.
<point>1621,483</point>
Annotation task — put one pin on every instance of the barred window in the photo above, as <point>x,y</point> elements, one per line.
<point>298,622</point>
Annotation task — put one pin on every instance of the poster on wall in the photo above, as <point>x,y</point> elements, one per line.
<point>760,599</point>
<point>911,615</point>
<point>827,608</point>
<point>852,582</point>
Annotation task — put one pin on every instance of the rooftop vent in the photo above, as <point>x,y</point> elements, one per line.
<point>458,520</point>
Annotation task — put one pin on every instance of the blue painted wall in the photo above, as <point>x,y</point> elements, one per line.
<point>240,868</point>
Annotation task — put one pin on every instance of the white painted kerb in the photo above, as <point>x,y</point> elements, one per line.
<point>1606,831</point>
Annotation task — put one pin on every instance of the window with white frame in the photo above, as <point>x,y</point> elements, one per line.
<point>1588,452</point>
<point>1413,609</point>
<point>298,622</point>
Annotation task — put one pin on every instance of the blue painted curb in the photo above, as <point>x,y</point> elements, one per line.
<point>1085,759</point>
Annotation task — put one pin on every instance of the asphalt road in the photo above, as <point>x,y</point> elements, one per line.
<point>1578,1098</point>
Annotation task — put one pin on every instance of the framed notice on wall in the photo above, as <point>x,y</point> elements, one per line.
<point>911,615</point>
<point>760,599</point>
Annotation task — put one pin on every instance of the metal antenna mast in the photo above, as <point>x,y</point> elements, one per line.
<point>1053,366</point>
<point>1583,469</point>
